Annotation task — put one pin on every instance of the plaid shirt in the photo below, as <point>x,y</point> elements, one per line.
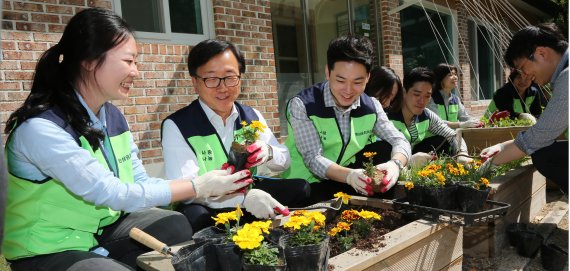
<point>308,141</point>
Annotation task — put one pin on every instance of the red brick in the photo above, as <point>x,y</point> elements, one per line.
<point>56,28</point>
<point>59,9</point>
<point>47,37</point>
<point>100,4</point>
<point>36,27</point>
<point>72,2</point>
<point>45,18</point>
<point>28,7</point>
<point>17,16</point>
<point>17,55</point>
<point>13,75</point>
<point>27,65</point>
<point>32,46</point>
<point>10,86</point>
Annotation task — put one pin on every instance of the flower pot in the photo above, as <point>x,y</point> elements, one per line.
<point>554,258</point>
<point>441,198</point>
<point>305,258</point>
<point>471,200</point>
<point>229,256</point>
<point>529,243</point>
<point>281,265</point>
<point>274,236</point>
<point>209,234</point>
<point>237,156</point>
<point>513,232</point>
<point>415,195</point>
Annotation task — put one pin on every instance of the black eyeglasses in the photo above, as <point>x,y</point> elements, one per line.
<point>519,70</point>
<point>214,82</point>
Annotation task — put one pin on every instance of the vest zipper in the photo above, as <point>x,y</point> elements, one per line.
<point>344,144</point>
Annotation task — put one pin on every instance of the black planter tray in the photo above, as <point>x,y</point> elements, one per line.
<point>491,211</point>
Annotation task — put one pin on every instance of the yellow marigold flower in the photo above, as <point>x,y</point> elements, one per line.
<point>239,212</point>
<point>369,215</point>
<point>223,218</point>
<point>350,215</point>
<point>440,177</point>
<point>263,226</point>
<point>299,212</point>
<point>409,185</point>
<point>333,231</point>
<point>485,181</point>
<point>255,124</point>
<point>343,226</point>
<point>243,123</point>
<point>316,216</point>
<point>296,222</point>
<point>248,237</point>
<point>369,154</point>
<point>345,197</point>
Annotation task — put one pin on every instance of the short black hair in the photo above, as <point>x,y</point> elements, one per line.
<point>419,74</point>
<point>207,49</point>
<point>525,41</point>
<point>350,48</point>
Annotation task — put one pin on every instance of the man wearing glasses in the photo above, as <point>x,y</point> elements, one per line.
<point>196,139</point>
<point>541,53</point>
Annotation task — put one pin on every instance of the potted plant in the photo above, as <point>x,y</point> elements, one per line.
<point>370,169</point>
<point>429,185</point>
<point>257,253</point>
<point>473,189</point>
<point>306,247</point>
<point>243,137</point>
<point>359,221</point>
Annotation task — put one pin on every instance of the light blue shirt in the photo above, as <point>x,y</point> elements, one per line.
<point>39,149</point>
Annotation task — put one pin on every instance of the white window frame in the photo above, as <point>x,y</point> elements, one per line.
<point>168,37</point>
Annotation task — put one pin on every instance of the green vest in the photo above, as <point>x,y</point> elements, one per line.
<point>43,217</point>
<point>518,107</point>
<point>202,137</point>
<point>362,121</point>
<point>422,126</point>
<point>449,113</point>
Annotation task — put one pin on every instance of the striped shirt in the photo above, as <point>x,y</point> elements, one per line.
<point>437,126</point>
<point>309,144</point>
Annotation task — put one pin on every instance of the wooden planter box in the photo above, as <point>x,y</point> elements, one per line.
<point>479,138</point>
<point>525,189</point>
<point>420,245</point>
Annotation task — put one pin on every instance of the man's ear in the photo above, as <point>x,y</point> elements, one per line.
<point>541,51</point>
<point>327,72</point>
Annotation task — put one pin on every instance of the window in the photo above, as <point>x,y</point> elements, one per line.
<point>485,58</point>
<point>168,21</point>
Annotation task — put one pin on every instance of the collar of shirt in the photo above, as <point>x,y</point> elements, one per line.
<point>98,122</point>
<point>561,66</point>
<point>214,118</point>
<point>329,100</point>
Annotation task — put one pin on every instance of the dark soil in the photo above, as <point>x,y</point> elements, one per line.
<point>390,221</point>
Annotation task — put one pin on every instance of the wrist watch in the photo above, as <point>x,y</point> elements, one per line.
<point>398,163</point>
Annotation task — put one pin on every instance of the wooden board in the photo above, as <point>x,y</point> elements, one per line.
<point>479,138</point>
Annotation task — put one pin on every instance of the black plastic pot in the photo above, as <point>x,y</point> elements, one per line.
<point>471,200</point>
<point>274,236</point>
<point>237,156</point>
<point>305,258</point>
<point>229,256</point>
<point>209,234</point>
<point>554,258</point>
<point>415,195</point>
<point>281,266</point>
<point>200,256</point>
<point>441,198</point>
<point>529,243</point>
<point>513,232</point>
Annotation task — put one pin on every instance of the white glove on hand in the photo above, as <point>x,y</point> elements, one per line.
<point>491,151</point>
<point>261,204</point>
<point>259,154</point>
<point>464,159</point>
<point>220,182</point>
<point>527,116</point>
<point>472,123</point>
<point>359,181</point>
<point>420,158</point>
<point>391,173</point>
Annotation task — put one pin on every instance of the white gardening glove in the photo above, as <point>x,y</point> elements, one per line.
<point>527,116</point>
<point>259,153</point>
<point>463,159</point>
<point>491,151</point>
<point>391,173</point>
<point>472,123</point>
<point>220,182</point>
<point>420,158</point>
<point>262,205</point>
<point>359,181</point>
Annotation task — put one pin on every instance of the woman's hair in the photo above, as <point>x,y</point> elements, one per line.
<point>381,82</point>
<point>88,36</point>
<point>208,49</point>
<point>440,72</point>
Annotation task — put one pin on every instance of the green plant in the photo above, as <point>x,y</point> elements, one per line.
<point>505,122</point>
<point>307,228</point>
<point>359,221</point>
<point>249,133</point>
<point>369,167</point>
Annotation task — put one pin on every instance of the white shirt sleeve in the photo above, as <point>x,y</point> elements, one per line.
<point>56,154</point>
<point>281,158</point>
<point>179,159</point>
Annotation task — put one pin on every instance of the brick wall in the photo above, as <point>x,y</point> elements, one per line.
<point>164,86</point>
<point>391,37</point>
